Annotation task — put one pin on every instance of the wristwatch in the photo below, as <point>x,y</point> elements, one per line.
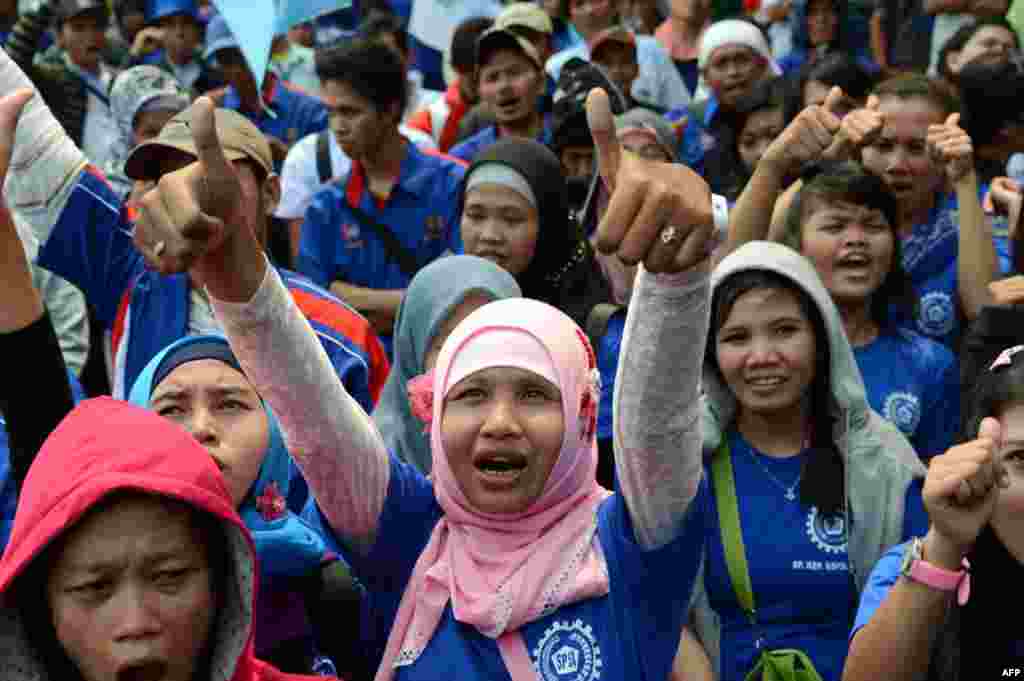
<point>917,569</point>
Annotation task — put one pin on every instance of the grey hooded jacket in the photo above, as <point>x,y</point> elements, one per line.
<point>879,462</point>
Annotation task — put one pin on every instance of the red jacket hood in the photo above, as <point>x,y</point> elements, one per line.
<point>106,445</point>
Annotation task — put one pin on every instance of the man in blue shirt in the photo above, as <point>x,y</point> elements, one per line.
<point>510,80</point>
<point>365,236</point>
<point>282,114</point>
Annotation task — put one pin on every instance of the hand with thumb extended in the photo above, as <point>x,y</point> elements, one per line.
<point>189,212</point>
<point>658,213</point>
<point>962,488</point>
<point>806,138</point>
<point>950,146</point>
<point>859,128</point>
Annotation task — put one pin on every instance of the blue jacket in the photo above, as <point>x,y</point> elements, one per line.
<point>292,114</point>
<point>91,246</point>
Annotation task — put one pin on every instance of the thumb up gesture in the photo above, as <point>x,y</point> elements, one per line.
<point>951,147</point>
<point>658,213</point>
<point>807,138</point>
<point>961,491</point>
<point>860,128</point>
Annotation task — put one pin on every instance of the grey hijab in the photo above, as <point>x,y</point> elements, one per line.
<point>140,87</point>
<point>432,296</point>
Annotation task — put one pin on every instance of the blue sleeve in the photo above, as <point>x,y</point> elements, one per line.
<point>91,246</point>
<point>316,120</point>
<point>453,216</point>
<point>316,250</point>
<point>940,409</point>
<point>403,530</point>
<point>915,517</point>
<point>639,579</point>
<point>8,491</point>
<point>880,582</point>
<point>350,366</point>
<point>464,150</point>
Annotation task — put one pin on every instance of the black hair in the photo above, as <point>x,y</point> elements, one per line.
<point>370,68</point>
<point>30,587</point>
<point>463,51</point>
<point>988,109</point>
<point>822,481</point>
<point>851,182</point>
<point>957,41</point>
<point>124,7</point>
<point>378,24</point>
<point>914,85</point>
<point>834,69</point>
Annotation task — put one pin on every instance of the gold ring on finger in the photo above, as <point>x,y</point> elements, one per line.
<point>668,235</point>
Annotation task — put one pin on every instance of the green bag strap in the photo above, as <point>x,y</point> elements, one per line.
<point>729,523</point>
<point>783,665</point>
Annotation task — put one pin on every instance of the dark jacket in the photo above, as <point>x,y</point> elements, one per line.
<point>62,90</point>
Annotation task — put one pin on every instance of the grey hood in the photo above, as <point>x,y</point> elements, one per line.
<point>850,402</point>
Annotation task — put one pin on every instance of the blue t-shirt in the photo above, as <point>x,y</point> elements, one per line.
<point>468,149</point>
<point>8,493</point>
<point>421,211</point>
<point>632,633</point>
<point>804,593</point>
<point>929,258</point>
<point>914,382</point>
<point>293,115</point>
<point>883,577</point>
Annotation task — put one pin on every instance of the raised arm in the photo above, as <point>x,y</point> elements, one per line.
<point>977,263</point>
<point>190,222</point>
<point>659,215</point>
<point>26,333</point>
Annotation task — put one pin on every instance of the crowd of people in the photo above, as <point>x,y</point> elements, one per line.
<point>676,340</point>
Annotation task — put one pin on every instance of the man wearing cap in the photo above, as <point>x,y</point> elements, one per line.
<point>71,75</point>
<point>85,236</point>
<point>511,81</point>
<point>181,37</point>
<point>658,78</point>
<point>441,119</point>
<point>396,209</point>
<point>614,50</point>
<point>733,57</point>
<point>282,113</point>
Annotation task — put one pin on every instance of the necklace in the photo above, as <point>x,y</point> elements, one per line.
<point>790,490</point>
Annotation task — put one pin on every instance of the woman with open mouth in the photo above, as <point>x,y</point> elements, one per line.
<point>844,221</point>
<point>510,557</point>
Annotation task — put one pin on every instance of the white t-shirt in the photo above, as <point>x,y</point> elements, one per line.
<point>300,179</point>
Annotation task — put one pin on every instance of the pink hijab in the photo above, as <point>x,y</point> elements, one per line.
<point>502,571</point>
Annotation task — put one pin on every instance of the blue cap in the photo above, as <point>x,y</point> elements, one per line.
<point>158,9</point>
<point>218,37</point>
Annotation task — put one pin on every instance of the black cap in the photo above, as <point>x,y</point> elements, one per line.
<point>569,111</point>
<point>69,9</point>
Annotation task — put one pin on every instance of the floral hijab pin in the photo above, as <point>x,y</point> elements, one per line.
<point>421,398</point>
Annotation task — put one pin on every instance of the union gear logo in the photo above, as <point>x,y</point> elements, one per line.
<point>827,532</point>
<point>350,235</point>
<point>568,651</point>
<point>904,410</point>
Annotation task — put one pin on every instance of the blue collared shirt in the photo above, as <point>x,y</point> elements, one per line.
<point>290,115</point>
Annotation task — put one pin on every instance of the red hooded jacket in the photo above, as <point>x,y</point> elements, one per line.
<point>104,446</point>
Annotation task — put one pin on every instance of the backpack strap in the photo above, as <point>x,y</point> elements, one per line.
<point>323,156</point>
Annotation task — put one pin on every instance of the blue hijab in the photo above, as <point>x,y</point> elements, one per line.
<point>432,296</point>
<point>285,544</point>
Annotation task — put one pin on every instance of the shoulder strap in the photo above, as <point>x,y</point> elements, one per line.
<point>729,523</point>
<point>323,156</point>
<point>392,246</point>
<point>597,321</point>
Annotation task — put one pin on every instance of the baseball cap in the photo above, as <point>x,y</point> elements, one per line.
<point>239,139</point>
<point>495,39</point>
<point>527,15</point>
<point>158,9</point>
<point>218,37</point>
<point>651,125</point>
<point>619,34</point>
<point>569,113</point>
<point>68,9</point>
